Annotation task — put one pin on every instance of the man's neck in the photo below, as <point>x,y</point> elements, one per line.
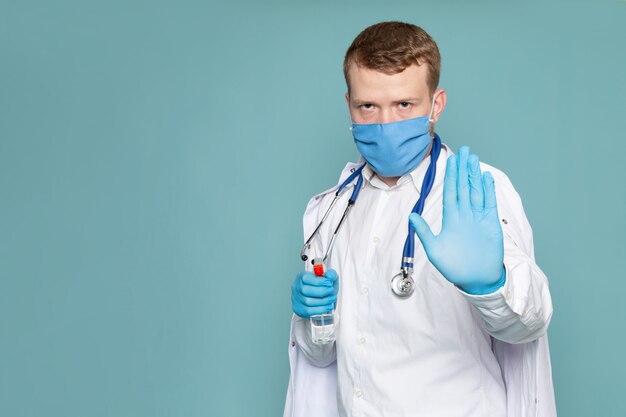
<point>390,181</point>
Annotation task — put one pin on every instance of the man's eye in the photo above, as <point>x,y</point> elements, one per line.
<point>405,105</point>
<point>367,106</point>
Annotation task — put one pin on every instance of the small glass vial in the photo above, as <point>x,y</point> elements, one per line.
<point>322,325</point>
<point>323,328</point>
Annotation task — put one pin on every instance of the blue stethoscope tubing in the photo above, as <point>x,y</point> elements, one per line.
<point>427,185</point>
<point>355,193</point>
<point>402,283</point>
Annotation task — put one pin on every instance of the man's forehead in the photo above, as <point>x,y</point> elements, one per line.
<point>369,84</point>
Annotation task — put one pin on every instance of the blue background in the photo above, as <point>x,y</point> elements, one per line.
<point>156,158</point>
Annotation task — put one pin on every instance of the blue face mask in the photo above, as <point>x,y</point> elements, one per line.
<point>396,148</point>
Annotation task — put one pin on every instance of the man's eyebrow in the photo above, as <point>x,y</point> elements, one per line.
<point>412,99</point>
<point>359,102</point>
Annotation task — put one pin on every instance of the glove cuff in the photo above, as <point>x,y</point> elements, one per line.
<point>488,289</point>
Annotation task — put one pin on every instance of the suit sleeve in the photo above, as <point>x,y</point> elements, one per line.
<point>520,311</point>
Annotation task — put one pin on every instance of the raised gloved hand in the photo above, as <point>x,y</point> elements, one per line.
<point>311,295</point>
<point>469,250</point>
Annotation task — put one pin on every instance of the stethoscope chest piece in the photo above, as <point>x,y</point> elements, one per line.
<point>402,285</point>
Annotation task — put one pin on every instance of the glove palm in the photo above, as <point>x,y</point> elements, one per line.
<point>469,250</point>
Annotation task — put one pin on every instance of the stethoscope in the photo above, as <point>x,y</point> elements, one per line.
<point>402,284</point>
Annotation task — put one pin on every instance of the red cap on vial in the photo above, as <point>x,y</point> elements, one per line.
<point>318,267</point>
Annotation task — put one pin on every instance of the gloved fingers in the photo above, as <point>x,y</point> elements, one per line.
<point>476,184</point>
<point>312,286</point>
<point>314,291</point>
<point>316,302</point>
<point>309,278</point>
<point>490,191</point>
<point>331,275</point>
<point>463,181</point>
<point>449,188</point>
<point>422,230</point>
<point>308,300</point>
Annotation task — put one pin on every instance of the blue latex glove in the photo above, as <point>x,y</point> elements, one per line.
<point>469,250</point>
<point>311,295</point>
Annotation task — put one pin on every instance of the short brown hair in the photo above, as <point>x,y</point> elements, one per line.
<point>390,47</point>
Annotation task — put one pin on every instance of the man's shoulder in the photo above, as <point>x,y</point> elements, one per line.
<point>510,208</point>
<point>349,168</point>
<point>501,179</point>
<point>323,199</point>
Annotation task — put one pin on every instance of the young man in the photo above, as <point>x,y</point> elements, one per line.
<point>467,337</point>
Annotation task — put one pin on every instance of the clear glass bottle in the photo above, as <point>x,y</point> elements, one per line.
<point>322,325</point>
<point>323,328</point>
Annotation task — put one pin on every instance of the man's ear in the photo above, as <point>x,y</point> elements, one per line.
<point>440,104</point>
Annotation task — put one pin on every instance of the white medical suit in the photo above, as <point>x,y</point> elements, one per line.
<point>440,352</point>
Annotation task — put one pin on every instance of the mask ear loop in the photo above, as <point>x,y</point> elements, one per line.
<point>432,110</point>
<point>430,117</point>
